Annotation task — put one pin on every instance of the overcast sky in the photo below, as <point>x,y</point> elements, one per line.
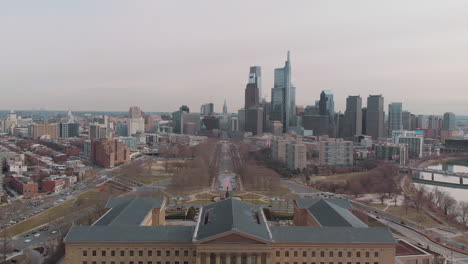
<point>110,54</point>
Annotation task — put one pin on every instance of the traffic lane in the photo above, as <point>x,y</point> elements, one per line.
<point>33,241</point>
<point>298,188</point>
<point>428,244</point>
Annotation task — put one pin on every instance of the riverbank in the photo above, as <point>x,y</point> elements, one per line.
<point>428,163</point>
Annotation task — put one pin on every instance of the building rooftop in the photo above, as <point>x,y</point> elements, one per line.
<point>122,224</point>
<point>130,234</point>
<point>128,211</point>
<point>229,215</point>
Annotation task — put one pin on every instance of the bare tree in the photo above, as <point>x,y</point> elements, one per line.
<point>438,196</point>
<point>463,212</point>
<point>419,196</point>
<point>448,203</point>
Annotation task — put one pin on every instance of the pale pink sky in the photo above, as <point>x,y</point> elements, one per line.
<point>110,54</point>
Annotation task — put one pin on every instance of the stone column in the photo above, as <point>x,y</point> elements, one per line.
<point>218,258</point>
<point>228,258</point>
<point>238,258</point>
<point>199,258</point>
<point>249,259</point>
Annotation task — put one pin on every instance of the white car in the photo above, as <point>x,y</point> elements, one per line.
<point>27,241</point>
<point>37,234</point>
<point>55,231</point>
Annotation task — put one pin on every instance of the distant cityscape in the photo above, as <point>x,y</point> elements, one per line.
<point>272,182</point>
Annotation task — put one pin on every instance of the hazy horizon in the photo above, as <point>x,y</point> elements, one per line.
<point>108,55</point>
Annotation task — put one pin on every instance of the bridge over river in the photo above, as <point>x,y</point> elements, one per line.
<point>416,175</point>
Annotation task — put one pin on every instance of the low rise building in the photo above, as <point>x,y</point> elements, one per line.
<point>415,145</point>
<point>53,184</point>
<point>397,153</point>
<point>50,131</point>
<point>109,152</point>
<point>278,150</point>
<point>336,152</point>
<point>228,231</point>
<point>24,186</point>
<point>296,156</point>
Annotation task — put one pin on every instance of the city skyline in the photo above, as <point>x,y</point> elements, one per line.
<point>121,62</point>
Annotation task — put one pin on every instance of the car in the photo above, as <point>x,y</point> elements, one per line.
<point>37,234</point>
<point>55,231</point>
<point>27,240</point>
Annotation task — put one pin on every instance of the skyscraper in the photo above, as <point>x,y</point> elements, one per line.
<point>406,120</point>
<point>375,116</point>
<point>449,121</point>
<point>135,112</point>
<point>207,109</point>
<point>225,109</point>
<point>395,120</point>
<point>283,96</point>
<point>255,76</point>
<point>353,117</point>
<point>327,104</point>
<point>253,109</point>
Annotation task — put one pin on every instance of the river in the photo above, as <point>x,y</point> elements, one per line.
<point>452,166</point>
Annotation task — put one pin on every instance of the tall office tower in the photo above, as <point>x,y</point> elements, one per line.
<point>395,121</point>
<point>353,117</point>
<point>311,110</point>
<point>283,101</point>
<point>406,120</point>
<point>241,117</point>
<point>364,120</point>
<point>421,122</point>
<point>207,109</point>
<point>253,109</point>
<point>121,129</point>
<point>50,131</point>
<point>184,108</point>
<point>135,112</point>
<point>413,122</point>
<point>68,130</point>
<point>266,117</point>
<point>97,131</point>
<point>225,109</point>
<point>326,104</point>
<point>135,126</point>
<point>177,119</point>
<point>449,121</point>
<point>434,122</point>
<point>338,125</point>
<point>255,76</point>
<point>375,116</point>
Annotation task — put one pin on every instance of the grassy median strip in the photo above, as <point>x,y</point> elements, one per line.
<point>85,200</point>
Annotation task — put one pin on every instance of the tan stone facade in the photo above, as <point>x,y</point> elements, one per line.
<point>243,250</point>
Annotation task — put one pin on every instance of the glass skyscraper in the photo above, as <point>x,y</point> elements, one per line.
<point>395,119</point>
<point>283,97</point>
